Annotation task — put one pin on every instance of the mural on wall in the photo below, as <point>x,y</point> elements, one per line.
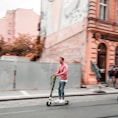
<point>73,11</point>
<point>73,48</point>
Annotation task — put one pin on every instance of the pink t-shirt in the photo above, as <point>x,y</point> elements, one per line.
<point>63,72</point>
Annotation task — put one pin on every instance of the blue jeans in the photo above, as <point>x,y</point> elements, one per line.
<point>113,80</point>
<point>61,89</point>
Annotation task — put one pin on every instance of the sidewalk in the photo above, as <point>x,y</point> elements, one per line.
<point>31,94</point>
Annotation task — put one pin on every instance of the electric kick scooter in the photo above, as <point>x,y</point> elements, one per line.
<point>50,101</point>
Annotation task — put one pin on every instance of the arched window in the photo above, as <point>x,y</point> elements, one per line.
<point>116,56</point>
<point>102,52</point>
<point>102,55</point>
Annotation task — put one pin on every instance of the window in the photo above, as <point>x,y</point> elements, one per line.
<point>117,11</point>
<point>9,31</point>
<point>103,10</point>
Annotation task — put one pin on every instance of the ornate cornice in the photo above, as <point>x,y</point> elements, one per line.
<point>105,36</point>
<point>103,21</point>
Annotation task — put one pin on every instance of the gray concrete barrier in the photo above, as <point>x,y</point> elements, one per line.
<point>6,75</point>
<point>34,75</point>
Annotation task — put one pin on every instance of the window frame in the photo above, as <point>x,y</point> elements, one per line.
<point>9,32</point>
<point>104,12</point>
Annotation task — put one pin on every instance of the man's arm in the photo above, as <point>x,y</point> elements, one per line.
<point>65,70</point>
<point>56,73</point>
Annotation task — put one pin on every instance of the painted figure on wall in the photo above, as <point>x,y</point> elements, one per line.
<point>73,11</point>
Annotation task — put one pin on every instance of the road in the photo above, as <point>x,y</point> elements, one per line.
<point>98,106</point>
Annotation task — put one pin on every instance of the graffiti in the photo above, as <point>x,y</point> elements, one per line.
<point>73,11</point>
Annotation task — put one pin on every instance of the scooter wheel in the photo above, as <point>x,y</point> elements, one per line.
<point>48,103</point>
<point>67,102</point>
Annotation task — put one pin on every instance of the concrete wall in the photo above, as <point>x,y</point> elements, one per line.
<point>34,75</point>
<point>6,75</point>
<point>60,14</point>
<point>72,49</point>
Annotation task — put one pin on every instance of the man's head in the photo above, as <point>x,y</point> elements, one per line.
<point>61,60</point>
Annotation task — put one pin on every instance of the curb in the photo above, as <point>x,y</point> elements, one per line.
<point>12,98</point>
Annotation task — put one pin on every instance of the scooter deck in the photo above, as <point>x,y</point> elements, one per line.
<point>52,103</point>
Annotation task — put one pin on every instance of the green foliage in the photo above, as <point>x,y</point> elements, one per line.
<point>23,46</point>
<point>2,44</point>
<point>37,48</point>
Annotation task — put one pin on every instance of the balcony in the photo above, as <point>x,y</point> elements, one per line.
<point>102,25</point>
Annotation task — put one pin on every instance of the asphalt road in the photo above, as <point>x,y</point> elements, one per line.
<point>99,106</point>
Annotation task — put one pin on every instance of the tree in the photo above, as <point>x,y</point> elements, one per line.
<point>22,45</point>
<point>2,43</point>
<point>37,49</point>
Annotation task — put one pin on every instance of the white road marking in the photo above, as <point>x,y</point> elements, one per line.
<point>25,93</point>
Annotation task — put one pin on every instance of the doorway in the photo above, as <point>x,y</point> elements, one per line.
<point>101,61</point>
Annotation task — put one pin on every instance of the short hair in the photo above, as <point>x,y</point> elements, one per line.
<point>62,58</point>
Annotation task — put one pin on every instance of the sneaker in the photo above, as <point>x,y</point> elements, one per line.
<point>57,100</point>
<point>62,101</point>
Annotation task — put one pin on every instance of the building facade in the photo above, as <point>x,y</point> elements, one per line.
<point>86,32</point>
<point>19,21</point>
<point>102,31</point>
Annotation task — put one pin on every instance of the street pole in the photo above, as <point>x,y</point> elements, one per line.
<point>14,79</point>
